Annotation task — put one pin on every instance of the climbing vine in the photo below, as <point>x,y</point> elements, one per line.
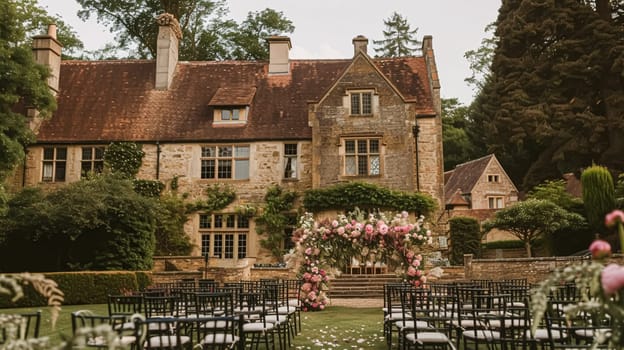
<point>366,196</point>
<point>274,219</point>
<point>218,196</point>
<point>124,158</point>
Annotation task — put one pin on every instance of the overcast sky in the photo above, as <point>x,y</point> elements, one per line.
<point>325,28</point>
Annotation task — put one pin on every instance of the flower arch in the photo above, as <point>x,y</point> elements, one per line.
<point>330,243</point>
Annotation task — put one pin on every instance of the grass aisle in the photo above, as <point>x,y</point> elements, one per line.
<point>340,328</point>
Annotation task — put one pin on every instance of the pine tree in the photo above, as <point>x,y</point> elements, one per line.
<point>554,101</point>
<point>399,39</point>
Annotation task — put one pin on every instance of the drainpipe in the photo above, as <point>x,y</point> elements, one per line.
<point>24,170</point>
<point>157,160</point>
<point>415,131</point>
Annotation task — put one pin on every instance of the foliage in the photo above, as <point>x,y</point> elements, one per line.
<point>598,196</point>
<point>512,244</point>
<point>148,188</point>
<point>480,59</point>
<point>275,218</point>
<point>22,83</point>
<point>206,32</point>
<point>124,158</point>
<point>218,196</point>
<point>34,20</point>
<point>531,219</point>
<point>85,287</point>
<point>457,146</point>
<point>332,243</point>
<point>249,40</point>
<point>12,288</point>
<point>553,101</point>
<point>348,196</point>
<point>171,215</point>
<point>465,238</point>
<point>399,38</point>
<point>567,240</point>
<point>555,191</point>
<point>99,223</point>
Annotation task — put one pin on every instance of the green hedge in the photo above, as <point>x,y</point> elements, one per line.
<point>84,287</point>
<point>511,244</point>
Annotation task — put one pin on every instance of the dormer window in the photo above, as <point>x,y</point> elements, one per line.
<point>231,105</point>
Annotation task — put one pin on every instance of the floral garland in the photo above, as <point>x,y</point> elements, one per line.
<point>373,239</point>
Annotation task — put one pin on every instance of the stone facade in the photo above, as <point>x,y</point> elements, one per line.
<point>171,109</point>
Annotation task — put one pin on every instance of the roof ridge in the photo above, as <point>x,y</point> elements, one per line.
<point>474,160</point>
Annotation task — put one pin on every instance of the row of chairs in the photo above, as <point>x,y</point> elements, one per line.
<point>22,326</point>
<point>477,316</point>
<point>232,315</point>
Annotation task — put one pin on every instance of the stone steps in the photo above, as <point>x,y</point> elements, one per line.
<point>360,286</point>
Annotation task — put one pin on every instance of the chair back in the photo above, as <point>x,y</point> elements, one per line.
<point>25,326</point>
<point>126,305</point>
<point>161,306</point>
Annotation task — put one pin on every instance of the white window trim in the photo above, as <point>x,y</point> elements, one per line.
<point>296,157</point>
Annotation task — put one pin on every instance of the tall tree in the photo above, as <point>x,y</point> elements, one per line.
<point>480,59</point>
<point>206,32</point>
<point>399,38</point>
<point>457,146</point>
<point>249,40</point>
<point>22,82</point>
<point>554,100</point>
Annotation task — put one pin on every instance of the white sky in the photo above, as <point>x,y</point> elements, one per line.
<point>324,28</point>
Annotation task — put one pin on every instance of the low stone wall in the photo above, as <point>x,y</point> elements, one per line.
<point>533,269</point>
<point>272,273</point>
<point>178,263</point>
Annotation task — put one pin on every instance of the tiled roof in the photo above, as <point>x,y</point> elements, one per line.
<point>103,101</point>
<point>465,176</point>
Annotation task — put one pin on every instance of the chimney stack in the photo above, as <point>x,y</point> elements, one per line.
<point>169,34</point>
<point>47,51</point>
<point>279,48</point>
<point>360,43</point>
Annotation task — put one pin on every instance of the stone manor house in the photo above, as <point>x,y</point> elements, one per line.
<point>300,124</point>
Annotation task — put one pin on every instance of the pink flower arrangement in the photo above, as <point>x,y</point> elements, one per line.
<point>612,279</point>
<point>375,239</point>
<point>600,249</point>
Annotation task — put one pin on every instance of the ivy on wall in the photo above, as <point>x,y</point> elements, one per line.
<point>348,196</point>
<point>218,196</point>
<point>124,158</point>
<point>148,188</point>
<point>275,218</point>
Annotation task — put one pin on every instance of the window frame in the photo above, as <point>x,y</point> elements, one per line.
<point>361,105</point>
<point>358,156</point>
<point>230,115</point>
<point>95,164</point>
<point>493,178</point>
<point>291,161</point>
<point>222,240</point>
<point>55,165</point>
<point>220,162</point>
<point>496,202</point>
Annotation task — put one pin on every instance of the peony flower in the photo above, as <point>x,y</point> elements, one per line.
<point>355,233</point>
<point>308,251</point>
<point>322,306</point>
<point>341,230</point>
<point>600,249</point>
<point>368,229</point>
<point>614,217</point>
<point>335,223</point>
<point>383,229</point>
<point>306,276</point>
<point>411,271</point>
<point>416,263</point>
<point>612,278</point>
<point>306,287</point>
<point>312,295</point>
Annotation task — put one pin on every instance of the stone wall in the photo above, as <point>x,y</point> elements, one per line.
<point>533,269</point>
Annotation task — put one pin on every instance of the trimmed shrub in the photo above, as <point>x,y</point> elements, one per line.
<point>465,238</point>
<point>598,196</point>
<point>86,287</point>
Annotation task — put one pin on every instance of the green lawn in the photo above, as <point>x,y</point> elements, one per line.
<point>335,328</point>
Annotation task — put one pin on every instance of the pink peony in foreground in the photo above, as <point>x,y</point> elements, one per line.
<point>612,278</point>
<point>600,249</point>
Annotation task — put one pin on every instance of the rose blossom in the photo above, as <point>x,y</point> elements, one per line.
<point>383,229</point>
<point>410,255</point>
<point>322,306</point>
<point>306,287</point>
<point>612,278</point>
<point>369,229</point>
<point>600,249</point>
<point>308,251</point>
<point>312,295</point>
<point>614,217</point>
<point>416,263</point>
<point>306,276</point>
<point>411,271</point>
<point>341,230</point>
<point>315,269</point>
<point>335,223</point>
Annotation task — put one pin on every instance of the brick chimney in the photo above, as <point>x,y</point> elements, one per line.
<point>279,49</point>
<point>360,43</point>
<point>169,34</point>
<point>47,51</point>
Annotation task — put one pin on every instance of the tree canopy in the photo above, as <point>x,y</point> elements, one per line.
<point>531,219</point>
<point>457,145</point>
<point>399,38</point>
<point>554,101</point>
<point>207,34</point>
<point>22,83</point>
